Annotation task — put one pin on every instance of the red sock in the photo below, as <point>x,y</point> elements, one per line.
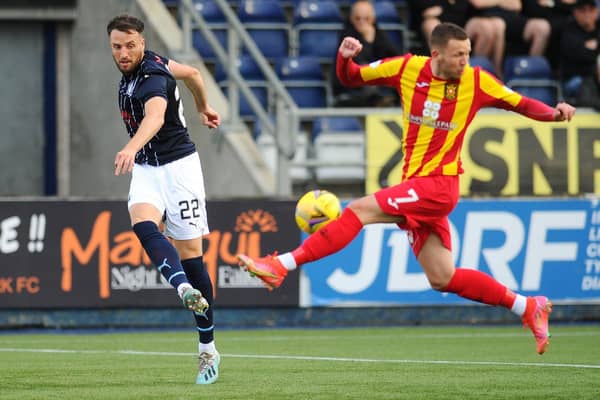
<point>477,286</point>
<point>333,237</point>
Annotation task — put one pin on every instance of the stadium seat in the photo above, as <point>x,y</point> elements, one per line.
<point>299,172</point>
<point>259,89</point>
<point>339,140</point>
<point>267,25</point>
<point>483,62</point>
<point>216,21</point>
<point>386,12</point>
<point>390,21</point>
<point>316,25</point>
<point>527,67</point>
<point>203,47</point>
<point>247,67</point>
<point>532,76</point>
<point>303,78</point>
<point>253,76</point>
<point>336,124</point>
<point>210,11</point>
<point>300,68</point>
<point>171,3</point>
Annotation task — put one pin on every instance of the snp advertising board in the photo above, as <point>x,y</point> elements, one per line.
<point>84,254</point>
<point>537,246</point>
<point>503,154</point>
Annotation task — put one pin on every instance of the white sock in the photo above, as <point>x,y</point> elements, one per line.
<point>520,305</point>
<point>181,288</point>
<point>207,347</point>
<point>287,259</point>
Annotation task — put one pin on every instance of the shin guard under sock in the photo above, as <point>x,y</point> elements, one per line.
<point>330,239</point>
<point>161,252</point>
<point>197,275</point>
<point>478,286</point>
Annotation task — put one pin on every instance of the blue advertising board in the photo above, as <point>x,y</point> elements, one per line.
<point>533,246</point>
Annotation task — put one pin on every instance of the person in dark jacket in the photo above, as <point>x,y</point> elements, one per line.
<point>579,49</point>
<point>377,45</point>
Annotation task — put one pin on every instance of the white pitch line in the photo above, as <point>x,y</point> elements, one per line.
<point>309,358</point>
<point>401,335</point>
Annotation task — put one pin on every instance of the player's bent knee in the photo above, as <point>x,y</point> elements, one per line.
<point>439,284</point>
<point>440,281</point>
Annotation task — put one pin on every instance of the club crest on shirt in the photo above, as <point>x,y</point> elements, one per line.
<point>450,91</point>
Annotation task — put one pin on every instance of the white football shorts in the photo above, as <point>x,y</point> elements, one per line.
<point>176,189</point>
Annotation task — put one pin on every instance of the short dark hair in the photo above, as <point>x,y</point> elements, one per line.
<point>125,23</point>
<point>444,32</point>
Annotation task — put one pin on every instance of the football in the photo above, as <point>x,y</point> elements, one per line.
<point>315,209</point>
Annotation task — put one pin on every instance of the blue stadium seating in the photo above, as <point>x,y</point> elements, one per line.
<point>483,62</point>
<point>300,68</point>
<point>532,76</point>
<point>526,67</point>
<point>202,46</point>
<point>316,25</point>
<point>304,80</point>
<point>253,76</point>
<point>246,66</point>
<point>210,11</point>
<point>336,124</point>
<point>390,21</point>
<point>260,90</point>
<point>386,12</point>
<point>216,21</point>
<point>267,24</point>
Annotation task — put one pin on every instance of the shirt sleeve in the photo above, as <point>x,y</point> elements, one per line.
<point>495,93</point>
<point>153,86</point>
<point>384,72</point>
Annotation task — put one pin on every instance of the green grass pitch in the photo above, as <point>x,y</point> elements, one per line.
<point>369,363</point>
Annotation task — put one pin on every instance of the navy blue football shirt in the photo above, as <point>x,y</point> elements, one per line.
<point>152,78</point>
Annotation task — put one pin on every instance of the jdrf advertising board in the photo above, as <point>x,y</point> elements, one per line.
<point>537,246</point>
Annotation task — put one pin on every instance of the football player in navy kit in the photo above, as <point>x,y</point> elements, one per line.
<point>166,176</point>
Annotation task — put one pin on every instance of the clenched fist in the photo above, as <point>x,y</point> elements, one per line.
<point>350,47</point>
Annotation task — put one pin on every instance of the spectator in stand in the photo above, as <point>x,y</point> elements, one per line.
<point>557,13</point>
<point>377,45</point>
<point>487,34</point>
<point>580,54</point>
<point>535,32</point>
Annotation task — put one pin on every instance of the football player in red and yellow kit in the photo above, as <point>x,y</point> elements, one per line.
<point>440,96</point>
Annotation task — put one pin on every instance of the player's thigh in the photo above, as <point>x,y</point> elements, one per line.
<point>187,249</point>
<point>185,200</point>
<point>145,202</point>
<point>368,211</point>
<point>139,212</point>
<point>436,261</point>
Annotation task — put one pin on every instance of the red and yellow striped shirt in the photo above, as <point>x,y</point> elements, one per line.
<point>437,112</point>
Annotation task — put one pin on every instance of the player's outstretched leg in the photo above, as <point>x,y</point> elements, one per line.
<point>269,269</point>
<point>272,269</point>
<point>536,318</point>
<point>208,368</point>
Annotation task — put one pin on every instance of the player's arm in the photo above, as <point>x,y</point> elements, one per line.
<point>537,110</point>
<point>154,118</point>
<point>495,94</point>
<point>351,74</point>
<point>195,83</point>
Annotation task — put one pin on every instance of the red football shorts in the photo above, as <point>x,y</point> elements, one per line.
<point>425,202</point>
